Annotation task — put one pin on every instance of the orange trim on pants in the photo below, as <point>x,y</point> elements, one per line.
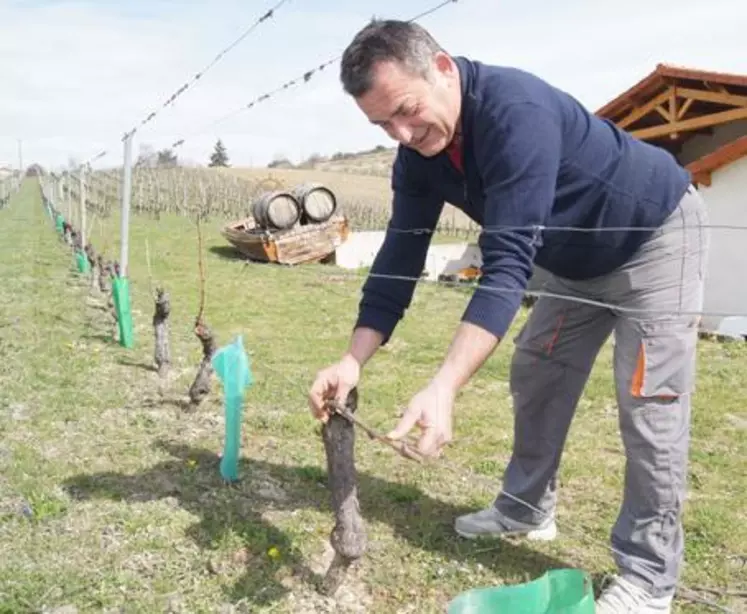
<point>636,385</point>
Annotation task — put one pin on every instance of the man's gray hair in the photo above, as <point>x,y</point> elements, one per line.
<point>386,40</point>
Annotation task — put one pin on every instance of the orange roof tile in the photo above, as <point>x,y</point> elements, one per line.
<point>658,79</point>
<point>724,155</point>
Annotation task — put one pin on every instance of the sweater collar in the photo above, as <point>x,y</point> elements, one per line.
<point>466,84</point>
<point>466,76</point>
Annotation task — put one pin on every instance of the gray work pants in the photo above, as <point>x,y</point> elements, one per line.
<point>654,373</point>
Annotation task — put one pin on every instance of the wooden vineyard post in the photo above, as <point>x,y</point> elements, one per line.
<point>348,537</point>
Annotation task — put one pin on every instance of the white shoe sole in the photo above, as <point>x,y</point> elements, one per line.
<point>545,534</point>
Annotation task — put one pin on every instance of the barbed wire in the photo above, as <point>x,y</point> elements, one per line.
<point>189,83</point>
<point>201,73</point>
<point>98,156</point>
<point>303,78</point>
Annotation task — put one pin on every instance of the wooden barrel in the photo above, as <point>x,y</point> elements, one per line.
<point>318,203</point>
<point>277,209</point>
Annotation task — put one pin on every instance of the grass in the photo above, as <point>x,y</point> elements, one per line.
<point>110,496</point>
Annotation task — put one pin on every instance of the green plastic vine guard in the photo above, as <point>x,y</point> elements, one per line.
<point>233,367</point>
<point>59,223</point>
<point>558,591</point>
<point>82,261</point>
<point>121,295</point>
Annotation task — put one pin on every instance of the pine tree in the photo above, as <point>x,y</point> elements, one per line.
<point>219,157</point>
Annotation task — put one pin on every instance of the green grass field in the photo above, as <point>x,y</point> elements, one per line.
<point>110,496</point>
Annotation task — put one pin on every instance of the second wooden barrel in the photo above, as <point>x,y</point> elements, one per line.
<point>277,209</point>
<point>318,203</point>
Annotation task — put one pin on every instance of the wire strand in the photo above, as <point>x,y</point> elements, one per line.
<point>197,76</point>
<point>539,228</point>
<point>305,77</point>
<point>554,295</point>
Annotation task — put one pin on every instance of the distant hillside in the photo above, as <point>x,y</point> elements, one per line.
<point>377,162</point>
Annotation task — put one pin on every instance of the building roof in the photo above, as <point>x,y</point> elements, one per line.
<point>672,104</point>
<point>702,168</point>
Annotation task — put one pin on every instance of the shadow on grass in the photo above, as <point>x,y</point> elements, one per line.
<point>105,338</point>
<point>228,253</point>
<point>144,366</point>
<point>193,479</point>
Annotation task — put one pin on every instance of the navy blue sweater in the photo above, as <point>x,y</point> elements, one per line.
<point>532,156</point>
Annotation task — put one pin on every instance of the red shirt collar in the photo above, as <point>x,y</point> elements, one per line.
<point>454,149</point>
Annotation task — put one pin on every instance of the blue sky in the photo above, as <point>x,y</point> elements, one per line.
<point>76,75</point>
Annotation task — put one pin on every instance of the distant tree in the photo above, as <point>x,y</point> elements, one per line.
<point>280,161</point>
<point>166,158</point>
<point>219,157</point>
<point>312,161</point>
<point>147,157</point>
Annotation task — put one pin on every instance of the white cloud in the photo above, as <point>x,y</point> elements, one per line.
<point>75,76</point>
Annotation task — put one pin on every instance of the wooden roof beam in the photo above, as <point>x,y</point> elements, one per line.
<point>724,155</point>
<point>673,108</point>
<point>684,108</point>
<point>695,123</point>
<point>643,110</point>
<point>731,100</point>
<point>716,87</point>
<point>702,178</point>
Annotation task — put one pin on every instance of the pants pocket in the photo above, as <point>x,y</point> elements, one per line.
<point>665,367</point>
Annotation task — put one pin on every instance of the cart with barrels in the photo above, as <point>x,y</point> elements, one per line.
<point>292,226</point>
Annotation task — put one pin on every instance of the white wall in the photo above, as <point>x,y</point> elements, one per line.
<point>449,259</point>
<point>725,288</point>
<point>360,249</point>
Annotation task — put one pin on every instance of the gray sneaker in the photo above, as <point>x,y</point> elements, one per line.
<point>491,523</point>
<point>624,597</point>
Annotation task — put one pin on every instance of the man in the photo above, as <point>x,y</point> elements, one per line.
<point>521,157</point>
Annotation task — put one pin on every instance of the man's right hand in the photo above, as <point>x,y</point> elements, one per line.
<point>334,382</point>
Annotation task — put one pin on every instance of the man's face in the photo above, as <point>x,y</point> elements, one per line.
<point>419,113</point>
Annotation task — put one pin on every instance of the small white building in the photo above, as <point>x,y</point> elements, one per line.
<point>701,117</point>
<point>442,260</point>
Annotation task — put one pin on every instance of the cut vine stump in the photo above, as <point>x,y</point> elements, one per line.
<point>200,387</point>
<point>162,354</point>
<point>348,537</point>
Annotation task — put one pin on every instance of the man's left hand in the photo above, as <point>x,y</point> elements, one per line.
<point>431,410</point>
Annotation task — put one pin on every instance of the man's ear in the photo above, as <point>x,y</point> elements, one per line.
<point>444,64</point>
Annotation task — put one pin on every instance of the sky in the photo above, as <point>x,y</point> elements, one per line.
<point>75,76</point>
